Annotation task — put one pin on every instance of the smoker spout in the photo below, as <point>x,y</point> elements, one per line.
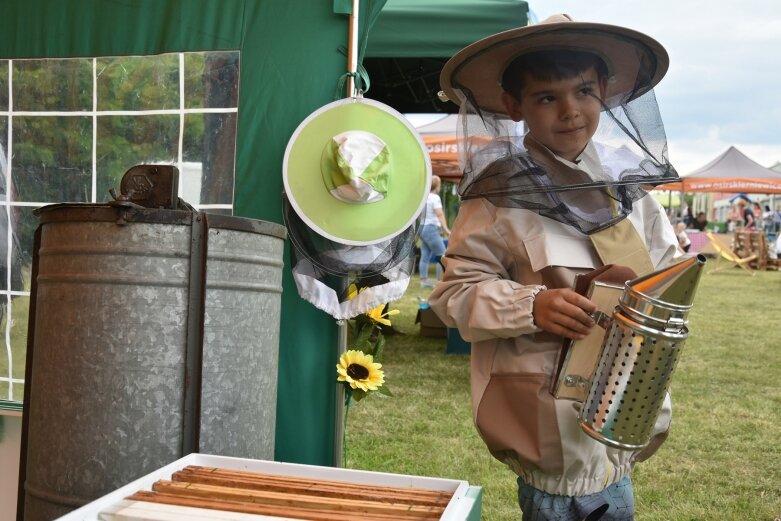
<point>664,297</point>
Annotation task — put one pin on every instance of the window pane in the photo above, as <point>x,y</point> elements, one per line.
<point>3,248</point>
<point>125,141</point>
<point>3,147</point>
<point>20,307</point>
<point>211,79</point>
<point>210,141</point>
<point>138,82</point>
<point>5,356</point>
<point>23,225</point>
<point>46,85</point>
<point>3,91</point>
<point>12,360</point>
<point>52,158</point>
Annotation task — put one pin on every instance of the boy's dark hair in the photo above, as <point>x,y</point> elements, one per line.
<point>549,65</point>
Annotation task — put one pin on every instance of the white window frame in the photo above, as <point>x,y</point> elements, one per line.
<point>7,205</point>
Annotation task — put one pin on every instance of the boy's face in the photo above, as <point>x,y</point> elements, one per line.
<point>561,114</point>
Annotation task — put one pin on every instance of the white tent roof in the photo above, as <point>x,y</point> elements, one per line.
<point>446,125</point>
<point>731,172</point>
<point>734,163</point>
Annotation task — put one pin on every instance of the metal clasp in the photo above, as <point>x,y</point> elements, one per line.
<point>576,381</point>
<point>602,319</point>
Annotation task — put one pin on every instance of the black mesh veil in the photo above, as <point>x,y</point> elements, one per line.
<point>320,267</point>
<point>626,156</point>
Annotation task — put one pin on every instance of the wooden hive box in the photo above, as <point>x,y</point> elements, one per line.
<point>201,487</point>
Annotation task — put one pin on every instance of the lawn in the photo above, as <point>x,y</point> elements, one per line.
<point>721,461</point>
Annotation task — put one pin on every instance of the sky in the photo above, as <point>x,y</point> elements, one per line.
<point>723,86</point>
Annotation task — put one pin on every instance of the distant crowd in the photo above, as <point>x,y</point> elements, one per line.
<point>741,216</point>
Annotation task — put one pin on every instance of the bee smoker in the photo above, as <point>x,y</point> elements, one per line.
<point>641,347</point>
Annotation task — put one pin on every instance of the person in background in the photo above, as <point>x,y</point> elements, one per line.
<point>734,217</point>
<point>434,225</point>
<point>683,240</point>
<point>700,222</point>
<point>688,219</point>
<point>749,223</point>
<point>767,220</point>
<point>756,209</point>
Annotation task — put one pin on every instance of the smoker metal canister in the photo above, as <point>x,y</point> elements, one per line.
<point>642,345</point>
<point>155,333</point>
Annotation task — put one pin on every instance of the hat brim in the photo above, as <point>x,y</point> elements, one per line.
<point>351,223</point>
<point>636,62</point>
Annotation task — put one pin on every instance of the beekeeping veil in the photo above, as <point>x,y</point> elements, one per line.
<point>505,164</point>
<point>356,177</point>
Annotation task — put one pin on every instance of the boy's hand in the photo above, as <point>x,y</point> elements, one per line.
<point>563,312</point>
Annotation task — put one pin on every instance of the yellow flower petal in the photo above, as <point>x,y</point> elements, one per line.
<point>378,316</point>
<point>359,371</point>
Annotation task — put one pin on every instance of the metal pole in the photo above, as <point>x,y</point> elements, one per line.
<point>340,409</point>
<point>341,341</point>
<point>352,50</point>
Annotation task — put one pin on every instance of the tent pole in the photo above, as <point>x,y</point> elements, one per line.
<point>352,50</point>
<point>340,409</point>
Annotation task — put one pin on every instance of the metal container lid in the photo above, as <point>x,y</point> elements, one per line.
<point>125,212</point>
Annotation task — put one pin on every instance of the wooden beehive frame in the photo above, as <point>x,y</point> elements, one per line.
<point>420,497</point>
<point>298,498</point>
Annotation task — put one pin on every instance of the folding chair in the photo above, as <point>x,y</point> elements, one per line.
<point>727,258</point>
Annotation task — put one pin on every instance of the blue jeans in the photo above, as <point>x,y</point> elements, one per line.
<point>615,503</point>
<point>431,244</point>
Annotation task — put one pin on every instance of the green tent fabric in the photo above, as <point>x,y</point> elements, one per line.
<point>440,28</point>
<point>290,65</point>
<point>412,40</point>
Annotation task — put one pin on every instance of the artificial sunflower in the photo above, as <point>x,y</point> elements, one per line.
<point>378,316</point>
<point>352,291</point>
<point>360,371</point>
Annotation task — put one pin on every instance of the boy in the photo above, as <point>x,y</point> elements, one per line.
<point>539,208</point>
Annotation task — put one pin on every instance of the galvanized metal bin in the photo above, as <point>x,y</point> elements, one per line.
<point>154,333</point>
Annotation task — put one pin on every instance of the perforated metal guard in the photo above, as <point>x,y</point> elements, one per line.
<point>630,383</point>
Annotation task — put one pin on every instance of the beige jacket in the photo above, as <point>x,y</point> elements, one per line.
<point>497,260</point>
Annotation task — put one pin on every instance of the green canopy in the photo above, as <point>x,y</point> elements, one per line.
<point>440,28</point>
<point>412,39</point>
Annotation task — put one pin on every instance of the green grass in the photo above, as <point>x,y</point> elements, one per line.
<point>722,459</point>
